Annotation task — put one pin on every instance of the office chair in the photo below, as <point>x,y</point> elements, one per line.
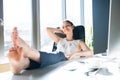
<point>78,33</point>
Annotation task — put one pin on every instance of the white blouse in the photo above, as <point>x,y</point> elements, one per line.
<point>68,47</point>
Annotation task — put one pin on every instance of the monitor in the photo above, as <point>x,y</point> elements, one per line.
<point>113,48</point>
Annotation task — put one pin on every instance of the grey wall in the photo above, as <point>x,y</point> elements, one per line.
<point>1,29</point>
<point>100,24</point>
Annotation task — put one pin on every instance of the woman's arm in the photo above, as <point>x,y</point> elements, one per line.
<point>51,32</point>
<point>86,52</point>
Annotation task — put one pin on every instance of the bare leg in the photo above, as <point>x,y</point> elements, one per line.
<point>27,50</point>
<point>17,61</point>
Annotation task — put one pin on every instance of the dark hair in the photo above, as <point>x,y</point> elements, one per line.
<point>69,22</point>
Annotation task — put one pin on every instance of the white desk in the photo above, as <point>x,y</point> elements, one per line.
<point>68,70</point>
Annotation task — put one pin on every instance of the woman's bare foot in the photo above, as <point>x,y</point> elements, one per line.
<point>17,41</point>
<point>17,61</point>
<point>28,52</point>
<point>14,36</point>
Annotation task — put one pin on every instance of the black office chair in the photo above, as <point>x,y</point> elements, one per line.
<point>78,33</point>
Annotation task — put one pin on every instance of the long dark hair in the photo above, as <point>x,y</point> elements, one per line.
<point>78,31</point>
<point>69,22</point>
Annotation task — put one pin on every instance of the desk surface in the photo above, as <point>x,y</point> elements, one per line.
<point>67,70</point>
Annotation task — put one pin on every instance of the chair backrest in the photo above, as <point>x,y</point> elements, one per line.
<point>78,33</point>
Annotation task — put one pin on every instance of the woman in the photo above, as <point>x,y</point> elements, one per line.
<point>21,56</point>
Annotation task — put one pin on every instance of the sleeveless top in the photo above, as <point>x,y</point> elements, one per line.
<point>68,47</point>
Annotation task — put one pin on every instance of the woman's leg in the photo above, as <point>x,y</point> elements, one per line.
<point>47,59</point>
<point>27,50</point>
<point>20,53</point>
<point>17,61</point>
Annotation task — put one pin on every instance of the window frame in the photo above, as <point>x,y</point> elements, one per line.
<point>35,30</point>
<point>1,31</point>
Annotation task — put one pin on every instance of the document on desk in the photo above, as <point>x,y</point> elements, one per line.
<point>75,70</point>
<point>71,71</point>
<point>72,66</point>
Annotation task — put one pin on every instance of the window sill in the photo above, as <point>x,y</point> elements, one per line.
<point>4,67</point>
<point>4,64</point>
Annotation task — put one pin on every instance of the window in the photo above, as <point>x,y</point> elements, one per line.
<point>73,11</point>
<point>50,16</point>
<point>88,22</point>
<point>17,13</point>
<point>80,13</point>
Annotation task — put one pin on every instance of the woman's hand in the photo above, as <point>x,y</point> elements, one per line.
<point>72,56</point>
<point>87,53</point>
